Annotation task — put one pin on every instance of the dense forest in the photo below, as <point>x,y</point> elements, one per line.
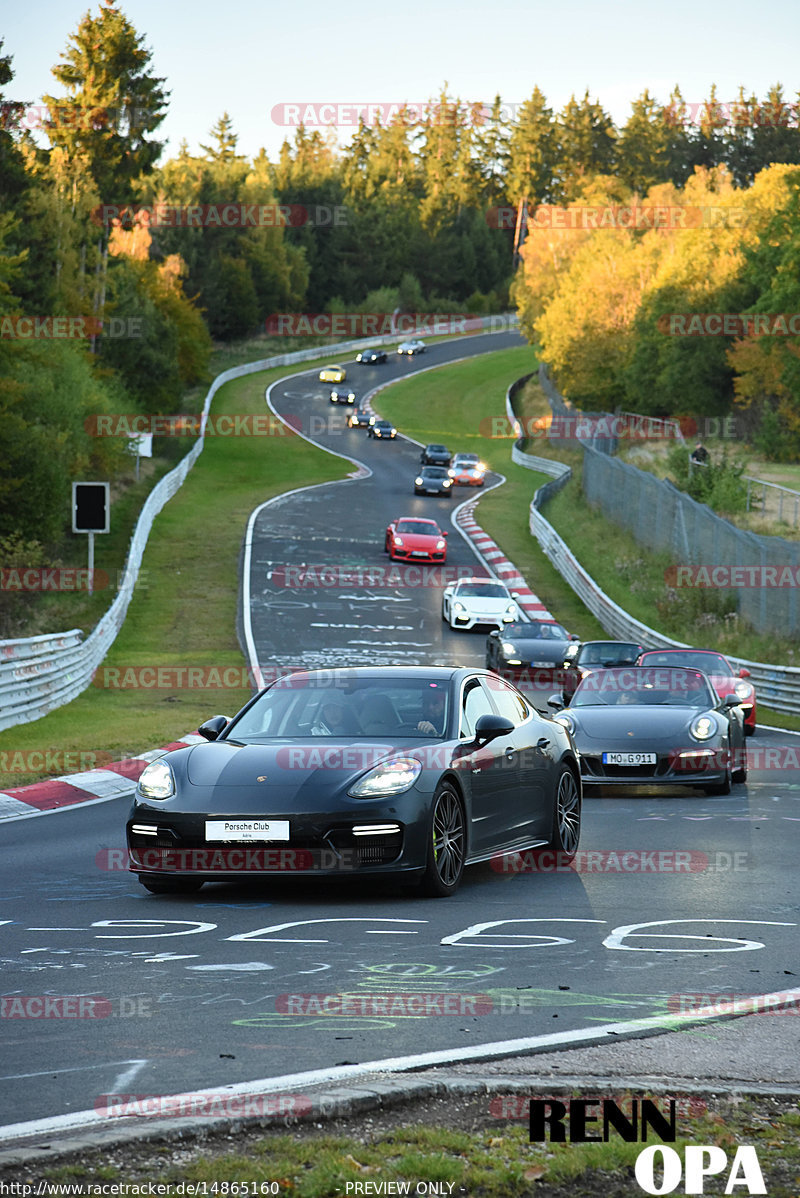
<point>112,294</point>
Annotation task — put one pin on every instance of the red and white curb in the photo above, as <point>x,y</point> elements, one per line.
<point>92,786</point>
<point>499,564</point>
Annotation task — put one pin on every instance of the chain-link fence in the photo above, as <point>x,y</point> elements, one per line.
<point>761,573</point>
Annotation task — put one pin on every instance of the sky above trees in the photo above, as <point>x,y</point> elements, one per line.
<point>255,56</point>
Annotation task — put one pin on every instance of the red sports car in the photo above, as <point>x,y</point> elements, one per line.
<point>719,671</point>
<point>411,539</point>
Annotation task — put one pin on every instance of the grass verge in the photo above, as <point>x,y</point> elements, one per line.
<point>463,1151</point>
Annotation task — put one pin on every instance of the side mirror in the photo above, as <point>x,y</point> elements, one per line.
<point>212,728</point>
<point>573,636</point>
<point>743,673</point>
<point>445,534</point>
<point>555,702</point>
<point>731,701</point>
<point>490,726</point>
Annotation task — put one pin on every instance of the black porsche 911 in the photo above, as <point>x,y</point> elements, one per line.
<point>649,726</point>
<point>369,357</point>
<point>529,643</point>
<point>414,771</point>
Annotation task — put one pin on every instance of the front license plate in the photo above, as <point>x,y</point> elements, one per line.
<point>418,553</point>
<point>629,759</point>
<point>247,829</point>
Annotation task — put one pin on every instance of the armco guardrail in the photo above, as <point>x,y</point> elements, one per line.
<point>41,673</point>
<point>776,686</point>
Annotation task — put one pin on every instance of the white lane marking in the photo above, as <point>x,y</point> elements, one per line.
<point>13,1077</point>
<point>337,1073</point>
<point>243,967</point>
<point>127,1076</point>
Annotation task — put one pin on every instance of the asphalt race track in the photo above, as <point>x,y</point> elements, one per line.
<point>674,895</point>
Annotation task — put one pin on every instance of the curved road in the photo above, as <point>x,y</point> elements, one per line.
<point>181,994</point>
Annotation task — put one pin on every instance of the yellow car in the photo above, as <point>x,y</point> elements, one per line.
<point>332,374</point>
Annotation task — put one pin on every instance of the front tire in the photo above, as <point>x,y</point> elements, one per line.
<point>447,845</point>
<point>566,832</point>
<point>721,788</point>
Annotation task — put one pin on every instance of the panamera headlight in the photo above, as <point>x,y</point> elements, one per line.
<point>157,781</point>
<point>743,690</point>
<point>566,719</point>
<point>703,727</point>
<point>388,778</point>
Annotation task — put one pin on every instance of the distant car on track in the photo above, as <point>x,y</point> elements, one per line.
<point>411,538</point>
<point>382,430</point>
<point>368,357</point>
<point>332,374</point>
<point>360,418</point>
<point>342,395</point>
<point>473,601</point>
<point>433,480</point>
<point>415,346</point>
<point>655,726</point>
<point>467,470</point>
<point>411,771</point>
<point>435,455</point>
<point>592,655</point>
<point>536,643</point>
<point>719,671</point>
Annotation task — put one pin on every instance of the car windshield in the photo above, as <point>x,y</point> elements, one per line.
<point>466,459</point>
<point>330,704</point>
<point>482,590</point>
<point>435,472</point>
<point>610,653</point>
<point>437,449</point>
<point>645,687</point>
<point>382,424</point>
<point>419,528</point>
<point>709,663</point>
<point>536,631</point>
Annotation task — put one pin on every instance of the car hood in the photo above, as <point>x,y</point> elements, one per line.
<point>426,541</point>
<point>485,606</point>
<point>533,649</point>
<point>633,724</point>
<point>286,774</point>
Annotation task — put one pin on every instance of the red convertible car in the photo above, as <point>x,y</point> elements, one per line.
<point>719,671</point>
<point>411,539</point>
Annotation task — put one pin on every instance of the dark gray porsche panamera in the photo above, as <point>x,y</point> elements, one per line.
<point>413,771</point>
